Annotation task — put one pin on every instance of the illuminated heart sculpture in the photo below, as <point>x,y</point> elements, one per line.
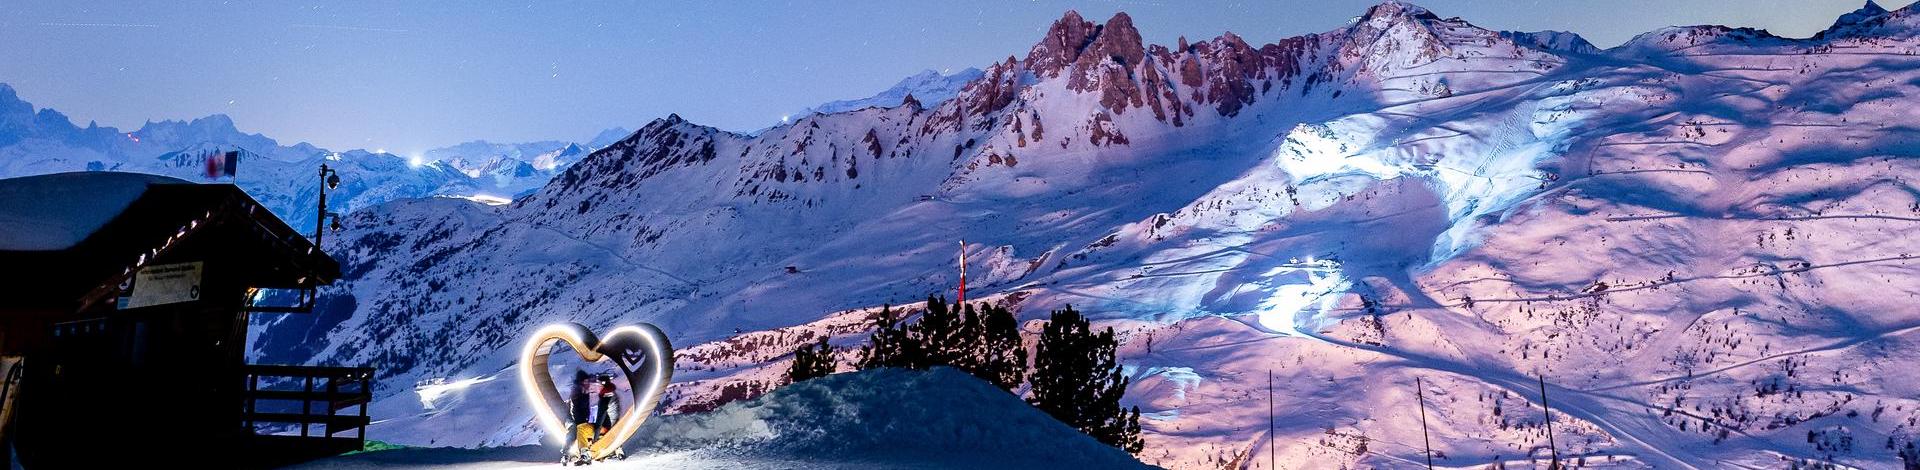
<point>623,346</point>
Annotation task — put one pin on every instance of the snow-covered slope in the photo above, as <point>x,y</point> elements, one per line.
<point>1697,238</point>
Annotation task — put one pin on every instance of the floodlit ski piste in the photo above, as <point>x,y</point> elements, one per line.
<point>1701,239</point>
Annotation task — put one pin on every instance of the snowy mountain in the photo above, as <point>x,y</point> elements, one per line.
<point>928,87</point>
<point>1698,239</point>
<point>514,169</point>
<point>281,177</point>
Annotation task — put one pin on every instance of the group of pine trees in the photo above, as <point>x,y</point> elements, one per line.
<point>812,361</point>
<point>1075,376</point>
<point>983,341</point>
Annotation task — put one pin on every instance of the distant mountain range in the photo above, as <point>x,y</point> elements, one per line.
<point>39,141</point>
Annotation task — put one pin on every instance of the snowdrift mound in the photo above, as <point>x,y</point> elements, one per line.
<point>888,415</point>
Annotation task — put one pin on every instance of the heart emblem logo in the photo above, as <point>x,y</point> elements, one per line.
<point>640,351</point>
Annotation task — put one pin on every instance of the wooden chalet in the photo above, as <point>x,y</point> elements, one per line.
<point>124,303</point>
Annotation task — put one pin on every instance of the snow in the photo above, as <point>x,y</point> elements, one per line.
<point>885,418</point>
<point>1282,310</point>
<point>57,211</point>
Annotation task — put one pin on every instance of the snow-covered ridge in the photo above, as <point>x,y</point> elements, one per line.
<point>1870,29</point>
<point>928,87</point>
<point>1703,254</point>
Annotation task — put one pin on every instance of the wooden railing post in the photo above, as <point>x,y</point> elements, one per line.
<point>366,390</point>
<point>253,385</point>
<point>333,389</point>
<point>306,407</point>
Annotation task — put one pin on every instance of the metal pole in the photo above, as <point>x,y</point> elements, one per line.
<point>962,300</point>
<point>1272,459</point>
<point>1419,390</point>
<point>1549,412</point>
<point>320,219</point>
<point>367,397</point>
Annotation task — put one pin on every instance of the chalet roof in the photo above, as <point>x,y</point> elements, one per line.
<point>55,212</point>
<point>63,236</point>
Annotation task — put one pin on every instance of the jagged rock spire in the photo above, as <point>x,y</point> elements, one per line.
<point>1062,44</point>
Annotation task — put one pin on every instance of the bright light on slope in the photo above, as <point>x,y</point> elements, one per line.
<point>1484,167</point>
<point>1316,150</point>
<point>432,391</point>
<point>487,199</point>
<point>1281,311</point>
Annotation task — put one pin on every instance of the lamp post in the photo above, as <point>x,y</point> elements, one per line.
<point>329,179</point>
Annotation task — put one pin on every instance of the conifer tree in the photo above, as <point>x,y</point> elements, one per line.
<point>1001,358</point>
<point>892,344</point>
<point>964,347</point>
<point>812,361</point>
<point>1077,380</point>
<point>945,335</point>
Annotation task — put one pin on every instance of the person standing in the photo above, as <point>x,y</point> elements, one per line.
<point>607,411</point>
<point>580,419</point>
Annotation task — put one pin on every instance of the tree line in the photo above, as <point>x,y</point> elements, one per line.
<point>1075,377</point>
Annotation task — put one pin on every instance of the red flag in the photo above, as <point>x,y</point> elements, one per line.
<point>222,163</point>
<point>213,165</point>
<point>963,274</point>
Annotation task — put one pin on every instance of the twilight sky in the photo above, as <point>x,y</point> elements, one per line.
<point>409,76</point>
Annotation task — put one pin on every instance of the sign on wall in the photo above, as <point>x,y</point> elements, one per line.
<point>163,284</point>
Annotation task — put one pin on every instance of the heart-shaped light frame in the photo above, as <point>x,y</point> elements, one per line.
<point>646,384</point>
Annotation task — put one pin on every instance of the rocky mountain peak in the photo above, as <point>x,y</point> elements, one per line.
<point>1061,45</point>
<point>1118,40</point>
<point>1074,41</point>
<point>7,95</point>
<point>1871,9</point>
<point>1395,11</point>
<point>1864,18</point>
